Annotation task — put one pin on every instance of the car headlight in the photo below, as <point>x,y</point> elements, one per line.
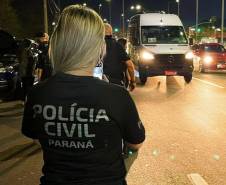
<point>2,70</point>
<point>147,55</point>
<point>208,59</point>
<point>189,55</point>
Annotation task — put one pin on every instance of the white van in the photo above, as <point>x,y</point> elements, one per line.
<point>158,46</point>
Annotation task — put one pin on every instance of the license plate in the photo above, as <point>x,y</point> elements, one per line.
<point>170,73</point>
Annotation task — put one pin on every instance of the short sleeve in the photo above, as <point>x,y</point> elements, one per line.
<point>28,128</point>
<point>122,53</point>
<point>133,129</point>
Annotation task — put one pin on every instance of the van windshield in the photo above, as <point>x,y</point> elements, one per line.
<point>163,35</point>
<point>213,48</point>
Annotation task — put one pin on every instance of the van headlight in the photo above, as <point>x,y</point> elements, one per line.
<point>189,55</point>
<point>145,55</point>
<point>208,59</point>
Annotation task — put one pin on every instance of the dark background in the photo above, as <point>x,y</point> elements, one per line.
<point>30,12</point>
<point>207,8</point>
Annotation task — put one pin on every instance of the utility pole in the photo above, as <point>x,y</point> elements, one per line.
<point>110,11</point>
<point>168,7</point>
<point>59,5</point>
<point>222,23</point>
<point>123,17</point>
<point>197,20</point>
<point>100,5</point>
<point>178,7</point>
<point>45,16</point>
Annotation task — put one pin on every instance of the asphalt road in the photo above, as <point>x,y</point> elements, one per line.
<point>185,127</point>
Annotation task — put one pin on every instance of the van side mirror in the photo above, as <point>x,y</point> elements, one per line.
<point>191,41</point>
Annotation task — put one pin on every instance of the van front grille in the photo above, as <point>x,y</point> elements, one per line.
<point>170,61</point>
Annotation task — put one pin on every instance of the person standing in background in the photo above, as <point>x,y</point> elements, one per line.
<point>127,78</point>
<point>117,61</point>
<point>44,69</point>
<point>27,67</point>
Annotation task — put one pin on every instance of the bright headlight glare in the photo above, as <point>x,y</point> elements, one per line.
<point>208,59</point>
<point>2,70</point>
<point>147,56</point>
<point>189,55</point>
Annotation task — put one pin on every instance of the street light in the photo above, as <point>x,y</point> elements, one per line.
<point>123,17</point>
<point>197,20</point>
<point>45,16</point>
<point>178,7</point>
<point>116,30</point>
<point>138,7</point>
<point>132,7</point>
<point>84,4</point>
<point>222,23</point>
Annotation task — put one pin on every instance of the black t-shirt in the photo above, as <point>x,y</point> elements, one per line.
<point>44,62</point>
<point>80,123</point>
<point>43,56</point>
<point>114,61</point>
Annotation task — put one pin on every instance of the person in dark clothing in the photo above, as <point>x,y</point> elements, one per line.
<point>127,79</point>
<point>116,61</point>
<point>27,67</point>
<point>78,119</point>
<point>44,68</point>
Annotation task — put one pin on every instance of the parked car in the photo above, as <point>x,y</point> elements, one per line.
<point>9,66</point>
<point>209,57</point>
<point>13,65</point>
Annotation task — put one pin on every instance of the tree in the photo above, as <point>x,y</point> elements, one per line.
<point>30,13</point>
<point>8,18</point>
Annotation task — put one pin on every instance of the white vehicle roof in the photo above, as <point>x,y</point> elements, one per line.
<point>159,19</point>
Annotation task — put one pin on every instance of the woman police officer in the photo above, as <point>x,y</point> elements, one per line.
<point>79,120</point>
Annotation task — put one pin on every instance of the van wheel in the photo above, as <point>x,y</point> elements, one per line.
<point>143,80</point>
<point>188,78</point>
<point>142,75</point>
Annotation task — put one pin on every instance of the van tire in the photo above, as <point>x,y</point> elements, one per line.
<point>142,76</point>
<point>143,80</point>
<point>188,78</point>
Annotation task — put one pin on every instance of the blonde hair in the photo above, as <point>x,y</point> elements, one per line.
<point>78,40</point>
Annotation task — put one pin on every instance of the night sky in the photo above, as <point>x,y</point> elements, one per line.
<point>207,8</point>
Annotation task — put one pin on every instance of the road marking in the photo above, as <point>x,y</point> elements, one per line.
<point>209,83</point>
<point>196,179</point>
